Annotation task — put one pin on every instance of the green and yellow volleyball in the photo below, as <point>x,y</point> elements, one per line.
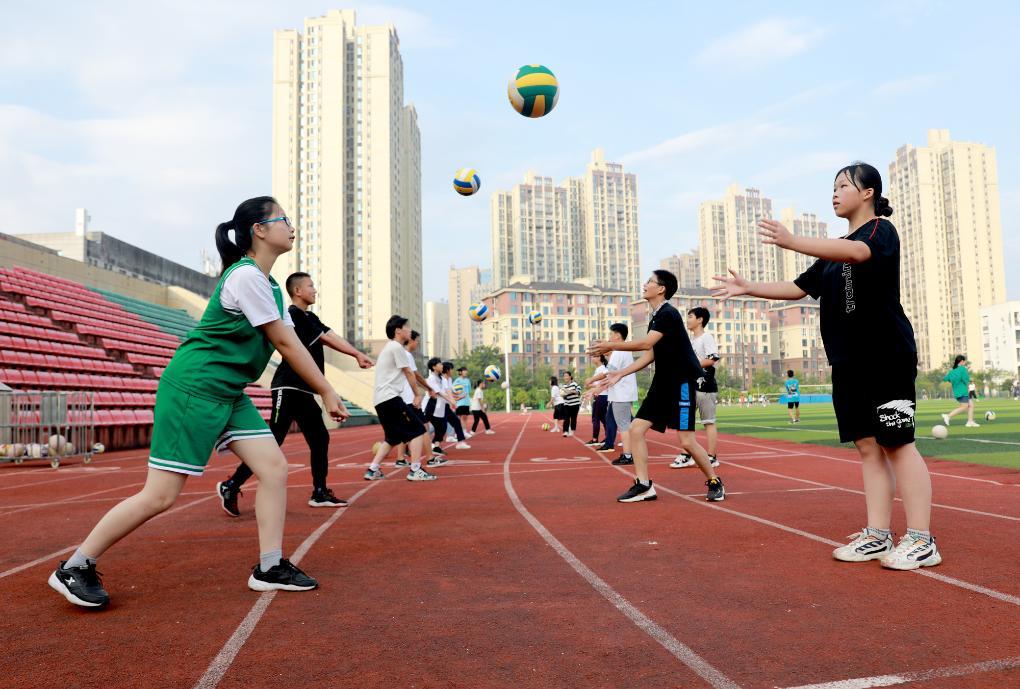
<point>533,90</point>
<point>466,181</point>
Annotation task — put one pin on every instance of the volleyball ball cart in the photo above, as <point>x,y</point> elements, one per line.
<point>47,425</point>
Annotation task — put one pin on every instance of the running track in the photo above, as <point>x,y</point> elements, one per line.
<point>518,569</point>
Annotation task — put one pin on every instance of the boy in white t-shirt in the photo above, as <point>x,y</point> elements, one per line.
<point>622,396</point>
<point>479,407</point>
<point>705,348</point>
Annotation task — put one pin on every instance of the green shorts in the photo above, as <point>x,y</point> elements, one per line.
<point>187,428</point>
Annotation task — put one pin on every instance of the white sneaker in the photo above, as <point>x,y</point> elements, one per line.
<point>570,434</point>
<point>451,438</point>
<point>462,446</point>
<point>864,546</point>
<point>683,461</point>
<point>945,419</point>
<point>421,475</point>
<point>972,424</point>
<point>468,434</point>
<point>490,432</point>
<point>913,552</point>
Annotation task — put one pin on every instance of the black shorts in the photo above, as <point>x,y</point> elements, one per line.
<point>791,405</point>
<point>430,408</point>
<point>558,412</point>
<point>882,411</point>
<point>668,408</point>
<point>416,412</point>
<point>464,410</point>
<point>399,425</point>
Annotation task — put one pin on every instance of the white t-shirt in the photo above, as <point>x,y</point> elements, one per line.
<point>247,290</point>
<point>554,395</point>
<point>436,383</point>
<point>626,389</point>
<point>599,371</point>
<point>704,345</point>
<point>476,399</point>
<point>408,394</point>
<point>389,372</point>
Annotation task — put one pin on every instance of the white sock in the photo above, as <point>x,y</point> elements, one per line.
<point>269,560</point>
<point>79,559</point>
<point>416,466</point>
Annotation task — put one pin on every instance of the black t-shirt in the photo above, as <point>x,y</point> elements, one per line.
<point>675,361</point>
<point>309,330</point>
<point>860,305</point>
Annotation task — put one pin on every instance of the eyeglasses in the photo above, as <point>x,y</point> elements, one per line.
<point>282,217</point>
<point>653,281</point>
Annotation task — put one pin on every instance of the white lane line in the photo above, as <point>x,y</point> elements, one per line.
<point>919,676</point>
<point>924,572</point>
<point>857,461</point>
<point>225,658</point>
<point>764,492</point>
<point>861,492</point>
<point>672,645</point>
<point>14,509</point>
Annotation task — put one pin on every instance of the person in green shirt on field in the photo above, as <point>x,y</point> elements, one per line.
<point>959,376</point>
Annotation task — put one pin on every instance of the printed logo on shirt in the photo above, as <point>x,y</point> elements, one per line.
<point>896,414</point>
<point>848,288</point>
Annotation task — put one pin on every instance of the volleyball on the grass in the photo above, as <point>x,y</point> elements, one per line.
<point>466,181</point>
<point>989,416</point>
<point>478,312</point>
<point>492,373</point>
<point>505,384</point>
<point>533,90</point>
<point>535,317</point>
<point>939,432</point>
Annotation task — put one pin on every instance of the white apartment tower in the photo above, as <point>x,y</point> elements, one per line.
<point>346,168</point>
<point>945,199</point>
<point>728,237</point>
<point>791,264</point>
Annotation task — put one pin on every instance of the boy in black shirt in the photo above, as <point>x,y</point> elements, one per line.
<point>293,400</point>
<point>671,398</point>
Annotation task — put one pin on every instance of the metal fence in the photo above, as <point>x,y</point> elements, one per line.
<point>46,425</point>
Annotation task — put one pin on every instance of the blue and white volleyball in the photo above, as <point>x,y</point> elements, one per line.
<point>478,312</point>
<point>466,182</point>
<point>535,317</point>
<point>492,373</point>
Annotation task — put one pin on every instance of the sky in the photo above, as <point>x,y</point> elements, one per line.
<point>156,116</point>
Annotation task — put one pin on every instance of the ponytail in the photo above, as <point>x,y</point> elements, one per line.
<point>882,207</point>
<point>959,358</point>
<point>247,214</point>
<point>864,176</point>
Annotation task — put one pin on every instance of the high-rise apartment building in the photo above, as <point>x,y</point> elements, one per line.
<point>1000,325</point>
<point>467,286</point>
<point>435,333</point>
<point>790,264</point>
<point>346,168</point>
<point>686,267</point>
<point>945,199</point>
<point>728,236</point>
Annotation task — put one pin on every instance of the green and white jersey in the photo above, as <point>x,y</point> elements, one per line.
<point>227,351</point>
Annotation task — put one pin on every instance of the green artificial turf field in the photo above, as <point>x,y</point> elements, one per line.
<point>996,443</point>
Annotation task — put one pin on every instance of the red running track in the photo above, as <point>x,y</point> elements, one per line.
<point>517,568</point>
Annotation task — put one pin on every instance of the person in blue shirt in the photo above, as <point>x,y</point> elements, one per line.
<point>463,402</point>
<point>793,397</point>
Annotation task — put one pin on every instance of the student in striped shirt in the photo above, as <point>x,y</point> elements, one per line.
<point>571,392</point>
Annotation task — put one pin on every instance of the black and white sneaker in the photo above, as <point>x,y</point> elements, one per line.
<point>683,461</point>
<point>420,475</point>
<point>283,577</point>
<point>913,552</point>
<point>437,461</point>
<point>623,460</point>
<point>79,585</point>
<point>323,497</point>
<point>438,450</point>
<point>716,490</point>
<point>402,462</point>
<point>638,493</point>
<point>376,475</point>
<point>713,460</point>
<point>604,448</point>
<point>593,442</point>
<point>228,498</point>
<point>863,546</point>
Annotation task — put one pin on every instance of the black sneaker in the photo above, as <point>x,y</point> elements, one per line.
<point>604,448</point>
<point>623,459</point>
<point>228,498</point>
<point>593,441</point>
<point>80,585</point>
<point>638,493</point>
<point>323,497</point>
<point>283,577</point>
<point>437,450</point>
<point>402,462</point>
<point>716,490</point>
<point>437,461</point>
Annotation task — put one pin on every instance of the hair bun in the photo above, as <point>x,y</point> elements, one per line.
<point>882,207</point>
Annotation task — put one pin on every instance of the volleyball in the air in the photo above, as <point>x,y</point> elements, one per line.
<point>505,384</point>
<point>535,317</point>
<point>492,373</point>
<point>939,432</point>
<point>466,182</point>
<point>533,90</point>
<point>478,312</point>
<point>989,416</point>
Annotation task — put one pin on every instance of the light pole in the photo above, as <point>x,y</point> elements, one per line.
<point>506,363</point>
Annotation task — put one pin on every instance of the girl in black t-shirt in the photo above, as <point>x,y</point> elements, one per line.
<point>856,281</point>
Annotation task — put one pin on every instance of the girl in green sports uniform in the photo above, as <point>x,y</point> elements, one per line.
<point>201,405</point>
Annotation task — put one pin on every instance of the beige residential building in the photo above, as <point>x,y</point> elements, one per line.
<point>346,168</point>
<point>686,267</point>
<point>945,198</point>
<point>1000,326</point>
<point>585,228</point>
<point>573,315</point>
<point>790,264</point>
<point>435,334</point>
<point>728,237</point>
<point>797,340</point>
<point>467,286</point>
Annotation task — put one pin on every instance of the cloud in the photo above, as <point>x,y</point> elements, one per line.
<point>765,42</point>
<point>723,138</point>
<point>899,87</point>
